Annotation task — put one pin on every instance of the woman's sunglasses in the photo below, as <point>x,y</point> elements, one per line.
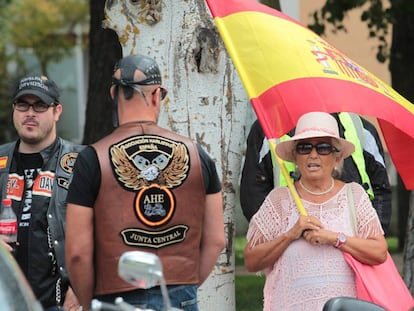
<point>321,148</point>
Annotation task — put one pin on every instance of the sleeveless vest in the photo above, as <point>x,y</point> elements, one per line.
<point>151,198</point>
<point>59,158</point>
<point>278,177</point>
<point>354,133</point>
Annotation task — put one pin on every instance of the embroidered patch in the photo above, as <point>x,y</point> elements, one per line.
<point>155,205</point>
<point>3,162</point>
<point>43,184</point>
<point>143,238</point>
<point>151,165</point>
<point>15,187</point>
<point>67,161</point>
<point>141,161</point>
<point>63,182</point>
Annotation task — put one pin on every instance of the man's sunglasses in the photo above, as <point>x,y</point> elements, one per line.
<point>162,91</point>
<point>38,106</point>
<point>321,148</point>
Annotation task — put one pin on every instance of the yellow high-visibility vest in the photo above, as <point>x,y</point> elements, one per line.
<point>278,178</point>
<point>354,133</point>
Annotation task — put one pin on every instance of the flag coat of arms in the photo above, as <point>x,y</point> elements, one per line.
<point>288,70</point>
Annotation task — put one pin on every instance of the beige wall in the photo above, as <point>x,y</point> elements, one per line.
<point>355,43</point>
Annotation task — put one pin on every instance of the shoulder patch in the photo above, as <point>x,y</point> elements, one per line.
<point>67,161</point>
<point>3,162</point>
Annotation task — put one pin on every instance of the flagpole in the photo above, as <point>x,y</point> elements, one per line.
<point>285,173</point>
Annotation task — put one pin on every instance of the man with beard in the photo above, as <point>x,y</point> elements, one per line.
<point>35,173</point>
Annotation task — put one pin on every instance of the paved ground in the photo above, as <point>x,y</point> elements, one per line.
<point>398,259</point>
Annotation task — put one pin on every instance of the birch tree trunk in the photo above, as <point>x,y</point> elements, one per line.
<point>408,257</point>
<point>206,101</point>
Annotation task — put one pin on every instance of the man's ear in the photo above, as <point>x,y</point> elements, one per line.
<point>112,91</point>
<point>58,111</point>
<point>156,98</point>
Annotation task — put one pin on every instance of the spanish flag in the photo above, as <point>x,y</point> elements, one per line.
<point>288,70</point>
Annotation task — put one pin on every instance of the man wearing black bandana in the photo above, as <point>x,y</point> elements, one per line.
<point>143,188</point>
<point>35,173</point>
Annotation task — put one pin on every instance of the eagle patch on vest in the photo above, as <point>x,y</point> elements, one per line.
<point>151,166</point>
<point>67,162</point>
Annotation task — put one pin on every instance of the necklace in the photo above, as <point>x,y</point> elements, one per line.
<point>317,193</point>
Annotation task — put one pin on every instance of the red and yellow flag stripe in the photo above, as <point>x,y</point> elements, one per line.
<point>288,70</point>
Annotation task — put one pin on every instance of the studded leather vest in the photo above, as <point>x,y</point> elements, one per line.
<point>58,158</point>
<point>151,199</point>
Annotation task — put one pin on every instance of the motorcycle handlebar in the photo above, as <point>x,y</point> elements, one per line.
<point>119,305</point>
<point>97,305</point>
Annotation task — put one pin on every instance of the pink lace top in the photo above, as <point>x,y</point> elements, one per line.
<point>305,276</point>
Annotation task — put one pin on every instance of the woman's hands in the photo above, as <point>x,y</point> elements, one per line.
<point>371,250</point>
<point>320,237</point>
<point>303,225</point>
<point>264,255</point>
<point>312,230</point>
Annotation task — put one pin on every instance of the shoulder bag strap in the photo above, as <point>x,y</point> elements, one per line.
<point>351,208</point>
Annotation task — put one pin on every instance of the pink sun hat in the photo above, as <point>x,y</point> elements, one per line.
<point>310,125</point>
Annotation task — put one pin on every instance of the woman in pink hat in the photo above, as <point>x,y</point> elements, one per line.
<point>302,255</point>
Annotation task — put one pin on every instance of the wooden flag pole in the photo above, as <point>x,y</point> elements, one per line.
<point>285,173</point>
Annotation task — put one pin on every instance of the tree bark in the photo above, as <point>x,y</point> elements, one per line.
<point>104,51</point>
<point>402,67</point>
<point>206,101</point>
<point>408,255</point>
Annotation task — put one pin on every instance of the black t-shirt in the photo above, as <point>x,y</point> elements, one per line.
<point>34,255</point>
<point>28,169</point>
<point>86,180</point>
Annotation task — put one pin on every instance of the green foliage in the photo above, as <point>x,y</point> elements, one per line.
<point>393,245</point>
<point>6,128</point>
<point>47,27</point>
<point>239,250</point>
<point>377,17</point>
<point>249,287</point>
<point>249,292</point>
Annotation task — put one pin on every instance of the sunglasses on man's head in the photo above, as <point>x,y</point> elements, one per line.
<point>162,91</point>
<point>321,148</point>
